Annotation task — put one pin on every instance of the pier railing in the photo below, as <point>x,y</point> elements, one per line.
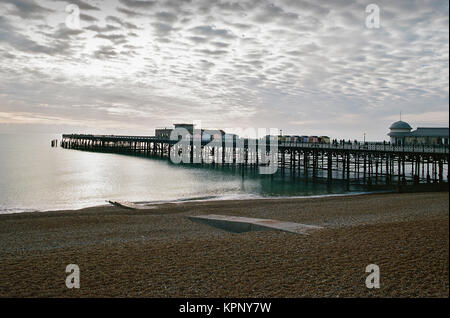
<point>387,147</point>
<point>371,147</point>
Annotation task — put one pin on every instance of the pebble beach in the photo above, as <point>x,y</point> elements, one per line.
<point>160,252</point>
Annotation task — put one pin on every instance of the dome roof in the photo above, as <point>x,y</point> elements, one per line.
<point>400,125</point>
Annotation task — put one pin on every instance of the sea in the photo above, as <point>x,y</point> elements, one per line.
<point>36,177</point>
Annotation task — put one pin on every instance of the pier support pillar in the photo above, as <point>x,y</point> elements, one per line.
<point>329,166</point>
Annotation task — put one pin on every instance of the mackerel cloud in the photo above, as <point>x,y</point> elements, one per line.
<point>309,67</point>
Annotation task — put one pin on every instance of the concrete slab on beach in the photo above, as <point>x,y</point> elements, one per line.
<point>244,224</point>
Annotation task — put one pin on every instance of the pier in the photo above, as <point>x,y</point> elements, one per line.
<point>363,163</point>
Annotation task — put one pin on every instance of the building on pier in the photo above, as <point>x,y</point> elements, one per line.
<point>301,139</point>
<point>401,133</point>
<point>164,133</point>
<point>203,134</point>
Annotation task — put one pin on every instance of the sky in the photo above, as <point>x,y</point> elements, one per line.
<point>307,67</point>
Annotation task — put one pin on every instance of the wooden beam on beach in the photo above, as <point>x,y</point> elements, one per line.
<point>130,205</point>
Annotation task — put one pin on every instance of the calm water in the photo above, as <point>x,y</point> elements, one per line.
<point>34,176</point>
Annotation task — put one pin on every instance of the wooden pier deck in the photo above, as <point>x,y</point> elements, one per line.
<point>353,162</point>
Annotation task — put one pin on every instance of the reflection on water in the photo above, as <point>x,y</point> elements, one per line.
<point>35,176</point>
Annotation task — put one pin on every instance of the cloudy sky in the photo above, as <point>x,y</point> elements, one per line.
<point>304,66</point>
